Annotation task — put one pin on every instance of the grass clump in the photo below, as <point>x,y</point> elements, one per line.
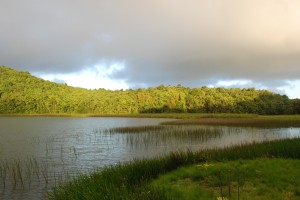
<point>131,180</point>
<point>240,120</point>
<point>123,181</point>
<point>134,129</point>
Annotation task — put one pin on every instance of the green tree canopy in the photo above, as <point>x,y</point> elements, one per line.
<point>21,92</point>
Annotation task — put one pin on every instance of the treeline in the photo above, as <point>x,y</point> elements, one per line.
<point>21,92</point>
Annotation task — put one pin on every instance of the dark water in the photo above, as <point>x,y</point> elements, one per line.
<point>37,153</point>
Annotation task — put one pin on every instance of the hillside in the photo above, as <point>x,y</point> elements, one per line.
<point>20,92</point>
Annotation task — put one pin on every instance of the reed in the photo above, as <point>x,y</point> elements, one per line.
<point>134,129</point>
<point>18,175</point>
<point>242,120</point>
<point>130,180</point>
<point>149,136</point>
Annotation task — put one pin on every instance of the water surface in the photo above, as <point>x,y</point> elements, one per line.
<point>47,150</point>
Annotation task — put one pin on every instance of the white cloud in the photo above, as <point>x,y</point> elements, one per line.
<point>162,42</point>
<point>234,83</point>
<point>292,89</point>
<point>90,78</point>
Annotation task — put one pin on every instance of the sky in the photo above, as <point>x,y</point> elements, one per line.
<point>122,44</point>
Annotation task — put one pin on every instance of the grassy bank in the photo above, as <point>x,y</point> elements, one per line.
<point>196,118</point>
<point>241,120</point>
<point>139,115</point>
<point>262,178</point>
<point>132,180</point>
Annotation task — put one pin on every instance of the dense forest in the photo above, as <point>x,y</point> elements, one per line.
<point>21,92</point>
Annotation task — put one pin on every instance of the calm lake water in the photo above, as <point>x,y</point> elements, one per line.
<point>37,153</point>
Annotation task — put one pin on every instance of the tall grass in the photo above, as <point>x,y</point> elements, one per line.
<point>20,174</point>
<point>21,178</point>
<point>134,129</point>
<point>129,180</point>
<point>167,136</point>
<point>240,120</point>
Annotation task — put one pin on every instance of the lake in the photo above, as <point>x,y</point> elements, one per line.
<point>37,153</point>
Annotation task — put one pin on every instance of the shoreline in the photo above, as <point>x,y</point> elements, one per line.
<point>261,121</point>
<point>194,118</point>
<point>131,180</point>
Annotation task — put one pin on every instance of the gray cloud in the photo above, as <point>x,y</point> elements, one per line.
<point>190,42</point>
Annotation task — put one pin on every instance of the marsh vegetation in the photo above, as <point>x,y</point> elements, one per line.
<point>50,134</point>
<point>132,180</point>
<point>43,152</point>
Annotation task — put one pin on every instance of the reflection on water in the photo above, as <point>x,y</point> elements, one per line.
<point>37,153</point>
<point>174,138</point>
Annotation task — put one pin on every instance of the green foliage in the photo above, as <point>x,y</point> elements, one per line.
<point>249,179</point>
<point>131,180</point>
<point>25,94</point>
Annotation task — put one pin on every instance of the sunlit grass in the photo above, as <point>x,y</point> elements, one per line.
<point>164,115</point>
<point>195,118</point>
<point>243,120</point>
<point>242,179</point>
<point>131,180</point>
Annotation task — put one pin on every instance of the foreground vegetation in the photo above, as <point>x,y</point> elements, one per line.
<point>133,180</point>
<point>23,93</point>
<point>263,178</point>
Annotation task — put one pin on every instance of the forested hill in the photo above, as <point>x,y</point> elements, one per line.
<point>21,92</point>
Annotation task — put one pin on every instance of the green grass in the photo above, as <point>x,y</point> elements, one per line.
<point>162,115</point>
<point>225,119</point>
<point>240,120</point>
<point>132,180</point>
<point>142,115</point>
<point>196,118</point>
<point>135,129</point>
<point>247,179</point>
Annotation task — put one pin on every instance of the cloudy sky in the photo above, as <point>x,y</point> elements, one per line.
<point>132,43</point>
